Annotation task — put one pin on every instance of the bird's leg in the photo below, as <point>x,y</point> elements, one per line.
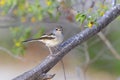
<point>50,50</point>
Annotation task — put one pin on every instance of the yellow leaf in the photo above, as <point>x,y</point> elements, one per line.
<point>90,24</point>
<point>15,12</point>
<point>17,44</point>
<point>49,2</point>
<point>102,13</point>
<point>23,19</point>
<point>33,19</point>
<point>103,6</point>
<point>2,2</point>
<point>21,7</point>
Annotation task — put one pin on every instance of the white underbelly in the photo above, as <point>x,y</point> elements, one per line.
<point>52,43</point>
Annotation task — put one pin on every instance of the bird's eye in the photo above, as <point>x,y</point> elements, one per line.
<point>56,28</point>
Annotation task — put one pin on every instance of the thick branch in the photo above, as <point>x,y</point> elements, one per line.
<point>39,71</point>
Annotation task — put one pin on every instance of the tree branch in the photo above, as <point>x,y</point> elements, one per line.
<point>39,71</point>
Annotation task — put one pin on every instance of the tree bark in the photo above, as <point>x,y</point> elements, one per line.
<point>39,72</point>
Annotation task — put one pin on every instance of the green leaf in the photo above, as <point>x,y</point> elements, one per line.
<point>80,17</point>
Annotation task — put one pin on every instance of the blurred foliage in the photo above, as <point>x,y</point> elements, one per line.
<point>19,34</point>
<point>26,11</point>
<point>90,19</point>
<point>23,8</point>
<point>2,2</point>
<point>80,17</point>
<point>101,57</point>
<point>104,58</point>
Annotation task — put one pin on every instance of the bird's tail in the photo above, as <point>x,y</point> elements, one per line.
<point>31,40</point>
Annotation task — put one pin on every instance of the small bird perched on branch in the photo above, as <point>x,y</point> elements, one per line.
<point>51,39</point>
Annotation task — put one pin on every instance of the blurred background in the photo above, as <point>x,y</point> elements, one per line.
<point>96,59</point>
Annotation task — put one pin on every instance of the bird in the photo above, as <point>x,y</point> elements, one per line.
<point>52,39</point>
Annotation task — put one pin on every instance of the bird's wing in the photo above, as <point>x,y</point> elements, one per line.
<point>48,36</point>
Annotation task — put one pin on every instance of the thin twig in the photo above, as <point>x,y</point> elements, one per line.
<point>80,73</point>
<point>12,7</point>
<point>87,60</point>
<point>87,56</point>
<point>113,3</point>
<point>10,53</point>
<point>109,45</point>
<point>63,67</point>
<point>97,56</point>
